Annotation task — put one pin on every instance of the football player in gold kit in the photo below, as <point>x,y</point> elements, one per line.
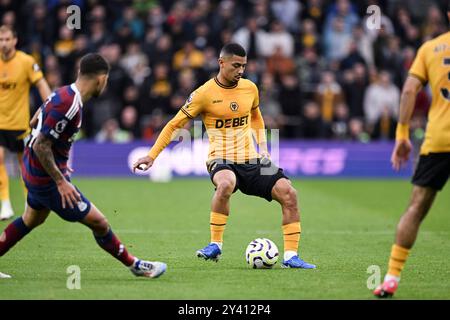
<point>229,107</point>
<point>18,71</point>
<point>432,65</point>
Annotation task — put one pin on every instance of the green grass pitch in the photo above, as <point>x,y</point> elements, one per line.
<point>347,226</point>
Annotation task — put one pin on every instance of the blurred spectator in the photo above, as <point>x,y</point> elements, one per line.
<point>188,57</point>
<point>279,39</point>
<point>279,64</point>
<point>308,36</point>
<point>364,44</point>
<point>252,71</point>
<point>99,35</point>
<point>177,100</point>
<point>111,132</point>
<point>290,98</point>
<point>39,27</point>
<point>346,14</point>
<point>131,97</point>
<point>435,23</point>
<point>328,94</point>
<point>262,14</point>
<point>129,122</point>
<point>163,52</point>
<point>354,85</point>
<point>336,40</point>
<point>353,56</point>
<point>226,17</point>
<point>384,128</point>
<point>63,49</point>
<point>340,124</point>
<point>153,125</point>
<point>252,38</point>
<point>156,18</point>
<point>135,63</point>
<point>413,37</point>
<point>314,10</point>
<point>118,78</point>
<point>287,12</point>
<point>269,102</point>
<point>313,127</point>
<point>131,20</point>
<point>156,90</point>
<point>186,82</point>
<point>309,68</point>
<point>357,133</point>
<point>391,59</point>
<point>201,37</point>
<point>381,96</point>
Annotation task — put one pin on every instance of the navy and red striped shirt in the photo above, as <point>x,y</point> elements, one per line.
<point>59,120</point>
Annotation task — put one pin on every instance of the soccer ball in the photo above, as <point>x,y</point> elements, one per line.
<point>261,253</point>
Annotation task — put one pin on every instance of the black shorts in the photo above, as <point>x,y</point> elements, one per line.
<point>254,177</point>
<point>12,140</point>
<point>433,170</point>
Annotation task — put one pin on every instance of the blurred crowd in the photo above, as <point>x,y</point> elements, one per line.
<point>321,71</point>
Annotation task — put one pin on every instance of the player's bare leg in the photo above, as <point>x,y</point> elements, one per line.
<point>407,229</point>
<point>284,193</point>
<point>108,241</point>
<point>225,182</point>
<point>24,188</point>
<point>6,208</point>
<point>19,228</point>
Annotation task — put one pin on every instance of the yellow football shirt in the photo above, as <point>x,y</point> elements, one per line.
<point>16,76</point>
<point>226,113</point>
<point>432,64</point>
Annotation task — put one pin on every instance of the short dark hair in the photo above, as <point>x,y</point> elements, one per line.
<point>93,64</point>
<point>6,28</point>
<point>233,49</point>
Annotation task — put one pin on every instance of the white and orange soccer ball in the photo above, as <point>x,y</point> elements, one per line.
<point>261,253</point>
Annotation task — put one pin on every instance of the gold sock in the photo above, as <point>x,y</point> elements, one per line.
<point>397,260</point>
<point>218,221</point>
<point>291,236</point>
<point>4,183</point>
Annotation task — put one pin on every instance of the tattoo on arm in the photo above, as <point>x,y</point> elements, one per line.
<point>43,148</point>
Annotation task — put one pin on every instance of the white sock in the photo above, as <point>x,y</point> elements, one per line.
<point>388,277</point>
<point>289,254</point>
<point>219,244</point>
<point>134,263</point>
<point>6,203</point>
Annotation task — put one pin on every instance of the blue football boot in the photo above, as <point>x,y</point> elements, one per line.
<point>210,252</point>
<point>296,262</point>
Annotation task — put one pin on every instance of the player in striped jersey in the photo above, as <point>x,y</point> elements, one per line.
<point>47,175</point>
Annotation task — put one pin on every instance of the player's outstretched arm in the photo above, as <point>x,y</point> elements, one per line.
<point>164,138</point>
<point>43,149</point>
<point>34,119</point>
<point>403,147</point>
<point>43,88</point>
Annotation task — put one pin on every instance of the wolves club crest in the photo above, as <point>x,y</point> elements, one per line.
<point>234,106</point>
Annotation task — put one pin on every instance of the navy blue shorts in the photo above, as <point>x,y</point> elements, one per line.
<point>51,199</point>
